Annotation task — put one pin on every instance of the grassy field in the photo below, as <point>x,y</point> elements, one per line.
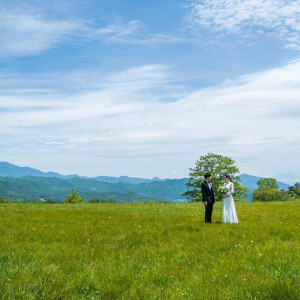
<point>148,251</point>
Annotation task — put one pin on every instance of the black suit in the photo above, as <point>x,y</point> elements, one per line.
<point>209,197</point>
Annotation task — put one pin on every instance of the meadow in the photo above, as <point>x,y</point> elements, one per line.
<point>148,251</point>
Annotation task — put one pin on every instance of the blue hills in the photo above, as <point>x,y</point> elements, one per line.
<point>24,183</point>
<point>10,170</point>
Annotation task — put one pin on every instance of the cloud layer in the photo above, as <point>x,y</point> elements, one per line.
<point>250,18</point>
<point>128,122</point>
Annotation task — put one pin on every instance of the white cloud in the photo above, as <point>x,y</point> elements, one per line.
<point>274,18</point>
<point>120,32</point>
<point>133,32</point>
<point>127,122</point>
<point>26,34</point>
<point>117,94</point>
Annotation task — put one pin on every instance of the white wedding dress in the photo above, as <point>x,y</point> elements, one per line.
<point>229,214</point>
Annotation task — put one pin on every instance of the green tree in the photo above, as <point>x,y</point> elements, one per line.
<point>295,190</point>
<point>74,197</point>
<point>267,190</point>
<point>218,166</point>
<point>264,193</point>
<point>270,182</point>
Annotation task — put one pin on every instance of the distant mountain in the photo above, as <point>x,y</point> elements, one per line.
<point>126,179</point>
<point>7,169</point>
<point>23,183</point>
<point>52,188</point>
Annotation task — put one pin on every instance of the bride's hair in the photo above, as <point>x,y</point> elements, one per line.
<point>228,176</point>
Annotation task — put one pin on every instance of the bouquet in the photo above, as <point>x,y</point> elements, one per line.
<point>223,190</point>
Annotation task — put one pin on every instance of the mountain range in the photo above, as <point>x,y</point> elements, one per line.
<point>24,183</point>
<point>7,169</point>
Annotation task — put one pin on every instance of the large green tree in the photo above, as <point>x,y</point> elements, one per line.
<point>218,166</point>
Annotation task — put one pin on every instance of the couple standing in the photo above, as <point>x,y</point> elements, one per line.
<point>229,214</point>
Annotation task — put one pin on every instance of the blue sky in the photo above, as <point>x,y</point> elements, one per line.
<point>143,88</point>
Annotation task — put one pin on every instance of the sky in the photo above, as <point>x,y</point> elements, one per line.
<point>144,88</point>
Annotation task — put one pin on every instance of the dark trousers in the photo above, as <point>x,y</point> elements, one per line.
<point>208,212</point>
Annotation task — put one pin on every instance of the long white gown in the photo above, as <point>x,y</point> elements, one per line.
<point>229,213</point>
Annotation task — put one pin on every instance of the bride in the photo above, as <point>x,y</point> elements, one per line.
<point>229,214</point>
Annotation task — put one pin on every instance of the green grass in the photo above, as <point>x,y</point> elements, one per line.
<point>148,251</point>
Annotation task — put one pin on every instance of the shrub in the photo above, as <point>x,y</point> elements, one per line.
<point>74,197</point>
<point>286,196</point>
<point>94,200</point>
<point>4,200</point>
<point>50,202</point>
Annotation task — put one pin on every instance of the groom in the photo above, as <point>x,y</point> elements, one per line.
<point>208,197</point>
